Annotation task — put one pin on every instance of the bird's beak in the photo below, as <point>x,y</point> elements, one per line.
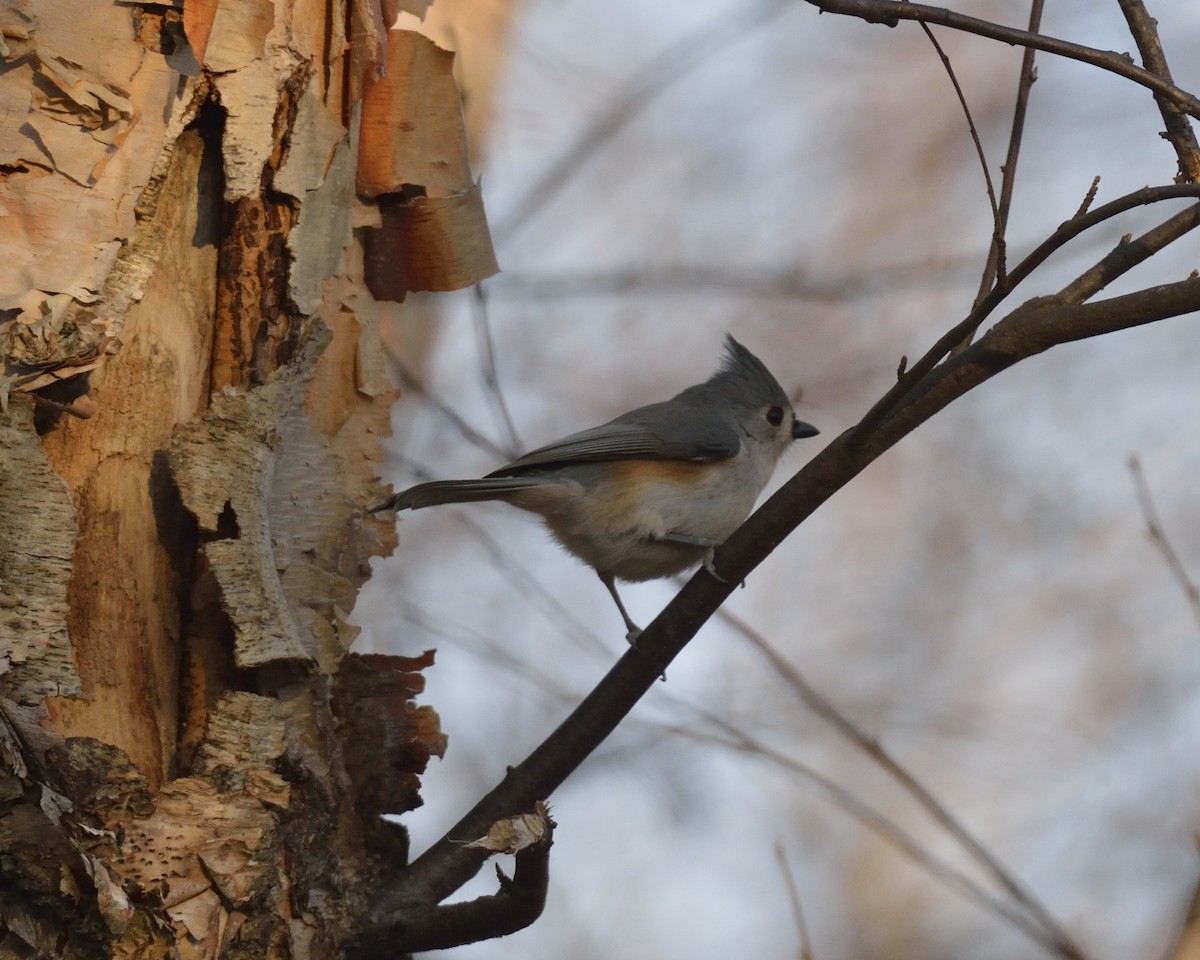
<point>800,430</point>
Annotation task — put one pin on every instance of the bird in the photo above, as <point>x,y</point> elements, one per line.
<point>654,491</point>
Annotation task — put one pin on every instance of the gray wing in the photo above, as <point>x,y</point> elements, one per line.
<point>642,434</point>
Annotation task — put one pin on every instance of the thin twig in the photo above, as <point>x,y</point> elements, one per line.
<point>1127,254</point>
<point>995,250</point>
<point>487,363</point>
<point>522,578</point>
<point>823,708</point>
<point>1089,198</point>
<point>962,102</point>
<point>416,386</point>
<point>789,881</point>
<point>892,11</point>
<point>1177,225</point>
<point>879,824</point>
<point>1158,536</point>
<point>996,265</point>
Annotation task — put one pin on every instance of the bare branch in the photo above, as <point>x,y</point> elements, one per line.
<point>1029,330</point>
<point>1032,328</point>
<point>487,363</point>
<point>1128,254</point>
<point>823,708</point>
<point>1167,232</point>
<point>416,386</point>
<point>518,903</point>
<point>789,880</point>
<point>883,827</point>
<point>1179,131</point>
<point>891,11</point>
<point>1158,536</point>
<point>922,392</point>
<point>996,265</point>
<point>962,102</point>
<point>1088,198</point>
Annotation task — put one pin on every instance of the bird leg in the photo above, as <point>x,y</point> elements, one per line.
<point>634,631</point>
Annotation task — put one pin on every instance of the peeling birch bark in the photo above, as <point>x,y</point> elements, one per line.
<point>192,763</point>
<point>413,153</point>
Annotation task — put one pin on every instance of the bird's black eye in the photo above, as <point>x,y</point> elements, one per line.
<point>775,416</point>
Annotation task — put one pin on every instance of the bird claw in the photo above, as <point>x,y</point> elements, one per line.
<point>710,566</point>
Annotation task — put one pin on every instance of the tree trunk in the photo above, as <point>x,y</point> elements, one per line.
<point>191,763</point>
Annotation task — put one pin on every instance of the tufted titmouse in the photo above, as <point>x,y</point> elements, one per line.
<point>652,492</point>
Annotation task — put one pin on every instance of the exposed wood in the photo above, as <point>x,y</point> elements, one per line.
<point>126,639</point>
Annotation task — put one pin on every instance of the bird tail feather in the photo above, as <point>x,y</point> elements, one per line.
<point>454,491</point>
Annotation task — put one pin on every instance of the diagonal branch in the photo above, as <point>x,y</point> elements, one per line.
<point>1167,232</point>
<point>950,876</point>
<point>789,880</point>
<point>1158,536</point>
<point>1030,329</point>
<point>932,384</point>
<point>1049,930</point>
<point>1128,254</point>
<point>1179,130</point>
<point>480,320</point>
<point>892,11</point>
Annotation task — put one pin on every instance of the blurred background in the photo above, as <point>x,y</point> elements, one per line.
<point>984,599</point>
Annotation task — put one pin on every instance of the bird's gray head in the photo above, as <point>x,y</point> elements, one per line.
<point>745,379</point>
<point>745,389</point>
